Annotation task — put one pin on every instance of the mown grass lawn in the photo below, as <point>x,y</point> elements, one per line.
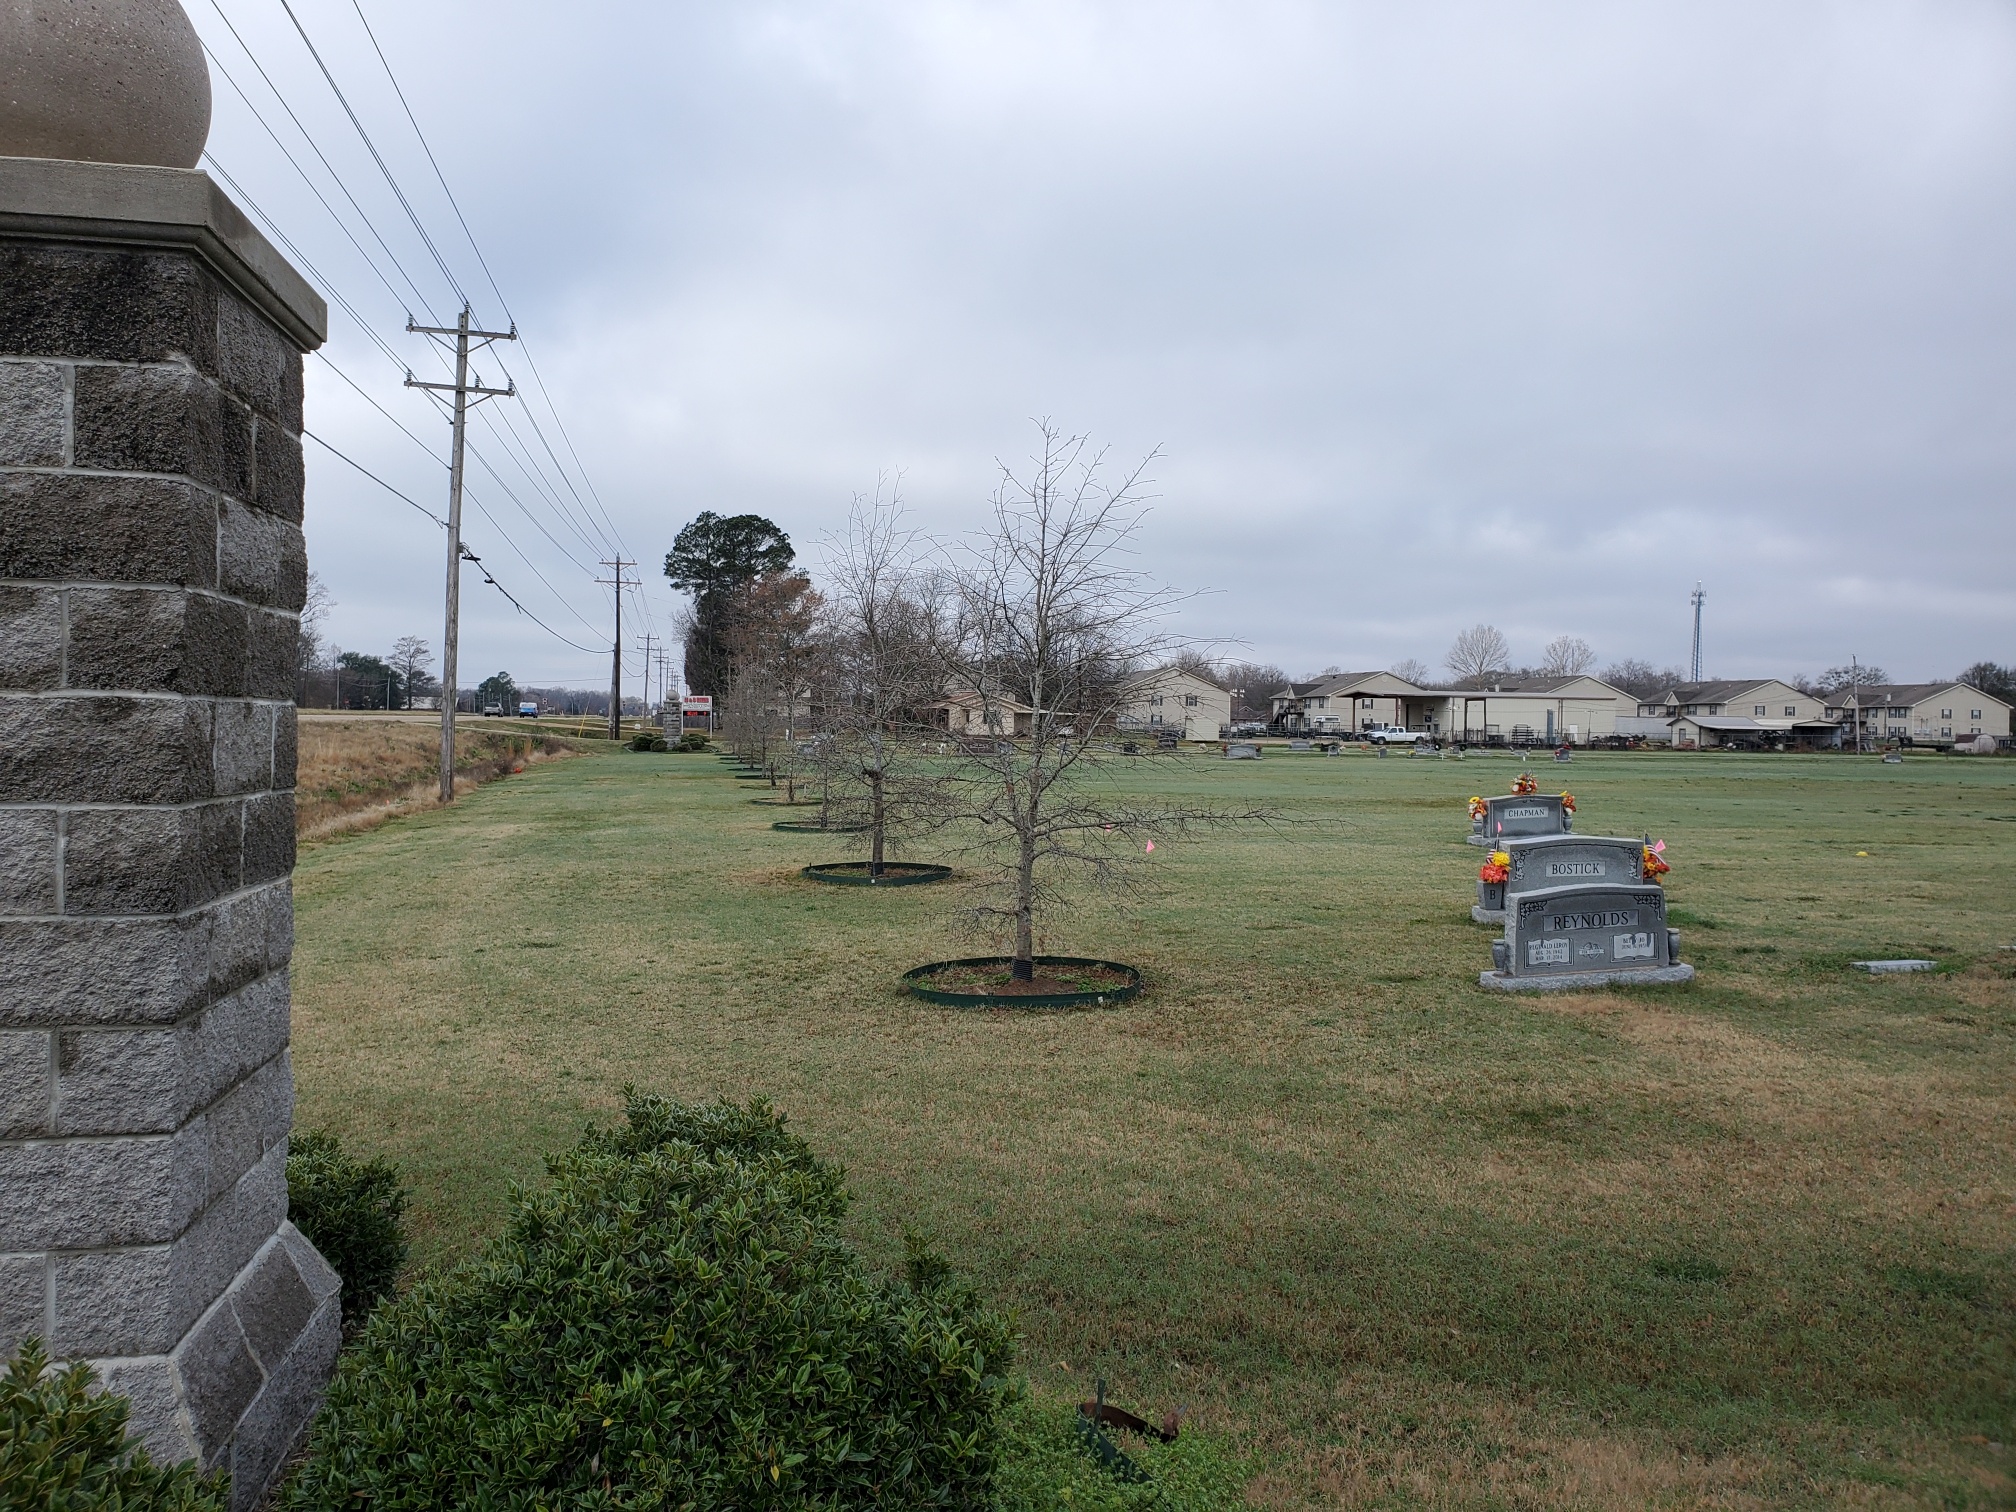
<point>1746,1243</point>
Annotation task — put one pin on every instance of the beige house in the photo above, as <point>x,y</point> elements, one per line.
<point>1938,714</point>
<point>1555,710</point>
<point>1170,698</point>
<point>1753,713</point>
<point>1346,703</point>
<point>967,713</point>
<point>1758,698</point>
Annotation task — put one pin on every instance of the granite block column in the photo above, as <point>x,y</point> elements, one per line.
<point>152,572</point>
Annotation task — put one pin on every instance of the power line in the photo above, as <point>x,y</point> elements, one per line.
<point>372,148</point>
<point>311,436</point>
<point>467,554</point>
<point>315,147</point>
<point>508,433</point>
<point>503,303</point>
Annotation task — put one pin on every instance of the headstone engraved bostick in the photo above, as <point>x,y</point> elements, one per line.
<point>1555,861</point>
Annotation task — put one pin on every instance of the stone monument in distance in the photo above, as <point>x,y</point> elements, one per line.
<point>151,578</point>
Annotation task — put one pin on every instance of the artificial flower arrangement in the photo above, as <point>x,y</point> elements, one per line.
<point>1655,865</point>
<point>1525,783</point>
<point>1567,803</point>
<point>1479,808</point>
<point>1499,867</point>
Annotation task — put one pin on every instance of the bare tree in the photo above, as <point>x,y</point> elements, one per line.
<point>773,652</point>
<point>1841,679</point>
<point>1052,630</point>
<point>1995,680</point>
<point>1412,670</point>
<point>881,661</point>
<point>1478,654</point>
<point>1566,656</point>
<point>1252,686</point>
<point>313,659</point>
<point>411,658</point>
<point>1641,679</point>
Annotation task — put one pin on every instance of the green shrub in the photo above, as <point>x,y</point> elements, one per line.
<point>660,745</point>
<point>63,1449</point>
<point>1044,1467</point>
<point>673,1321</point>
<point>692,740</point>
<point>353,1211</point>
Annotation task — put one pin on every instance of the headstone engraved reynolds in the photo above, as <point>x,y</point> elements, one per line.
<point>1586,935</point>
<point>1553,861</point>
<point>152,572</point>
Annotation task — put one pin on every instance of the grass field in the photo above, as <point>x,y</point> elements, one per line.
<point>1745,1243</point>
<point>356,771</point>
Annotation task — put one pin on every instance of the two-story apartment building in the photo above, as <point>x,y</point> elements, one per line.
<point>1741,711</point>
<point>1557,710</point>
<point>1938,714</point>
<point>1172,698</point>
<point>1344,703</point>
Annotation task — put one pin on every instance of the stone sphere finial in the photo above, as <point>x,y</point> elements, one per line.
<point>102,81</point>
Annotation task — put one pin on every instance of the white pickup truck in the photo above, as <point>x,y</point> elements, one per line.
<point>1385,734</point>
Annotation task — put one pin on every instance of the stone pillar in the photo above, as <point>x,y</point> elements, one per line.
<point>151,579</point>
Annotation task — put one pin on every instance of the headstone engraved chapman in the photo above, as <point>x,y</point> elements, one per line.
<point>1586,935</point>
<point>1518,816</point>
<point>1557,861</point>
<point>152,573</point>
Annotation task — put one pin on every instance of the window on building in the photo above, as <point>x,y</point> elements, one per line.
<point>1154,719</point>
<point>1947,730</point>
<point>1364,703</point>
<point>1791,711</point>
<point>1156,701</point>
<point>1189,700</point>
<point>1758,710</point>
<point>1945,713</point>
<point>1973,713</point>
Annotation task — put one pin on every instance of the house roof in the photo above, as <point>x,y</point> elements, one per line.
<point>1536,686</point>
<point>1344,682</point>
<point>1903,695</point>
<point>1711,692</point>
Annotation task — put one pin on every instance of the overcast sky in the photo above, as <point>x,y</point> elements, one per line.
<point>1527,314</point>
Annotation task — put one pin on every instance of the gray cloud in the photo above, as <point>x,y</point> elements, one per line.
<point>1442,312</point>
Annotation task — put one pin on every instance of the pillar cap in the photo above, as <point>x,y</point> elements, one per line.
<point>50,199</point>
<point>102,81</point>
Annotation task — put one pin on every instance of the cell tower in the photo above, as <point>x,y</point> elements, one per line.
<point>1699,598</point>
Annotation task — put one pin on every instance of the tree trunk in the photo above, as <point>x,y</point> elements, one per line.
<point>875,823</point>
<point>1025,911</point>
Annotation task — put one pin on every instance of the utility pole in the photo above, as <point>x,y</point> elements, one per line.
<point>1698,600</point>
<point>463,390</point>
<point>1855,698</point>
<point>619,583</point>
<point>668,699</point>
<point>649,640</point>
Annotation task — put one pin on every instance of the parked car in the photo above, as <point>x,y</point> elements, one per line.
<point>1386,734</point>
<point>493,711</point>
<point>528,711</point>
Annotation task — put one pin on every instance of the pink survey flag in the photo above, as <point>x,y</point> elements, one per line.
<point>1151,845</point>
